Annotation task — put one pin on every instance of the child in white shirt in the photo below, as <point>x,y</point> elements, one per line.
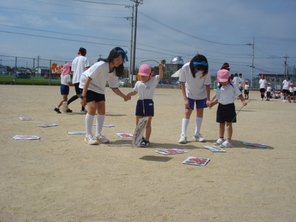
<point>226,114</point>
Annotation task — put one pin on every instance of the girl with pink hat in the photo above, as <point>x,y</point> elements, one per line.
<point>65,82</point>
<point>145,89</point>
<point>226,114</point>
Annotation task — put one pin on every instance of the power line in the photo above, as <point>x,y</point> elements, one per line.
<point>187,34</point>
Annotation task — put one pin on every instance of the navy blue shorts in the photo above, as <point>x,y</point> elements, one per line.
<point>93,96</point>
<point>226,113</point>
<point>64,90</point>
<point>200,104</point>
<point>145,107</point>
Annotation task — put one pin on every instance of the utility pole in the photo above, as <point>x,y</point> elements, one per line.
<point>252,66</point>
<point>137,2</point>
<point>286,66</point>
<point>131,46</point>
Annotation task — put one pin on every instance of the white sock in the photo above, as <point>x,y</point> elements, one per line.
<point>89,119</point>
<point>198,123</point>
<point>100,122</point>
<point>185,123</point>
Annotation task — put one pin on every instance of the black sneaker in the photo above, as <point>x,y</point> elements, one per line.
<point>68,110</point>
<point>145,143</point>
<point>57,110</point>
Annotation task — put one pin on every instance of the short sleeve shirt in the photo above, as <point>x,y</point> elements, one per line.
<point>100,75</point>
<point>65,79</point>
<point>79,65</point>
<point>227,94</point>
<point>195,87</point>
<point>262,83</point>
<point>146,89</point>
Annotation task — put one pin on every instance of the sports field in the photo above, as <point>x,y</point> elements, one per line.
<point>61,178</point>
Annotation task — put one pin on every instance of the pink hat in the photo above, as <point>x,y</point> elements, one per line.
<point>66,69</point>
<point>223,75</point>
<point>144,70</point>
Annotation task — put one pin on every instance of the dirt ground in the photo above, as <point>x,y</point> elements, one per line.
<point>61,178</point>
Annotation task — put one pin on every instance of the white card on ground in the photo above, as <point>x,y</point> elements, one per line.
<point>48,125</point>
<point>171,151</point>
<point>77,133</point>
<point>125,135</point>
<point>108,125</point>
<point>197,161</point>
<point>25,118</point>
<point>26,137</point>
<point>255,144</point>
<point>214,149</point>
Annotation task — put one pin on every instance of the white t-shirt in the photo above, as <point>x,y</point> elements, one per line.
<point>262,83</point>
<point>65,79</point>
<point>268,89</point>
<point>100,75</point>
<point>227,94</point>
<point>79,65</point>
<point>291,89</point>
<point>146,89</point>
<point>195,87</point>
<point>246,86</point>
<point>286,84</point>
<point>236,81</point>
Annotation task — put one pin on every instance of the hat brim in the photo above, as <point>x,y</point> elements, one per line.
<point>223,80</point>
<point>143,74</point>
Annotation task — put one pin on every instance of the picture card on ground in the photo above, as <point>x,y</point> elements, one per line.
<point>214,149</point>
<point>171,151</point>
<point>48,125</point>
<point>255,144</point>
<point>76,133</point>
<point>25,118</point>
<point>26,137</point>
<point>198,161</point>
<point>108,125</point>
<point>125,135</point>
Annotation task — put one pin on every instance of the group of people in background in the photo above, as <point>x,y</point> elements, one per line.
<point>287,94</point>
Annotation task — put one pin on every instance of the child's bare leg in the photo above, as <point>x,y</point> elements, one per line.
<point>148,128</point>
<point>221,130</point>
<point>229,130</point>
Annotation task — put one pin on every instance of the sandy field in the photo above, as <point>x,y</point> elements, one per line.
<point>59,178</point>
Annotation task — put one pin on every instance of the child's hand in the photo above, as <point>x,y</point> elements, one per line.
<point>127,97</point>
<point>244,103</point>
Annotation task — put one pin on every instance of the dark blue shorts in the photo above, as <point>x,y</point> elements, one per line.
<point>226,113</point>
<point>64,90</point>
<point>145,107</point>
<point>93,96</point>
<point>200,104</point>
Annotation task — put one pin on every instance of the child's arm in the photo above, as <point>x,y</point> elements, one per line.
<point>160,65</point>
<point>242,99</point>
<point>119,93</point>
<point>133,93</point>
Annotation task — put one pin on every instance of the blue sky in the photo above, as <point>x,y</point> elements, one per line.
<point>218,29</point>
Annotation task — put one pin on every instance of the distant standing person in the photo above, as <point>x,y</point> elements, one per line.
<point>79,65</point>
<point>195,82</point>
<point>236,80</point>
<point>246,89</point>
<point>268,92</point>
<point>64,88</point>
<point>262,86</point>
<point>93,82</point>
<point>285,88</point>
<point>242,82</point>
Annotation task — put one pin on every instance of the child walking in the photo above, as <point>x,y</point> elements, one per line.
<point>93,83</point>
<point>145,89</point>
<point>246,90</point>
<point>65,82</point>
<point>226,109</point>
<point>195,85</point>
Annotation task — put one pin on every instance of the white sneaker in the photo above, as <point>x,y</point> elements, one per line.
<point>198,137</point>
<point>91,140</point>
<point>64,107</point>
<point>183,139</point>
<point>226,143</point>
<point>102,138</point>
<point>219,141</point>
